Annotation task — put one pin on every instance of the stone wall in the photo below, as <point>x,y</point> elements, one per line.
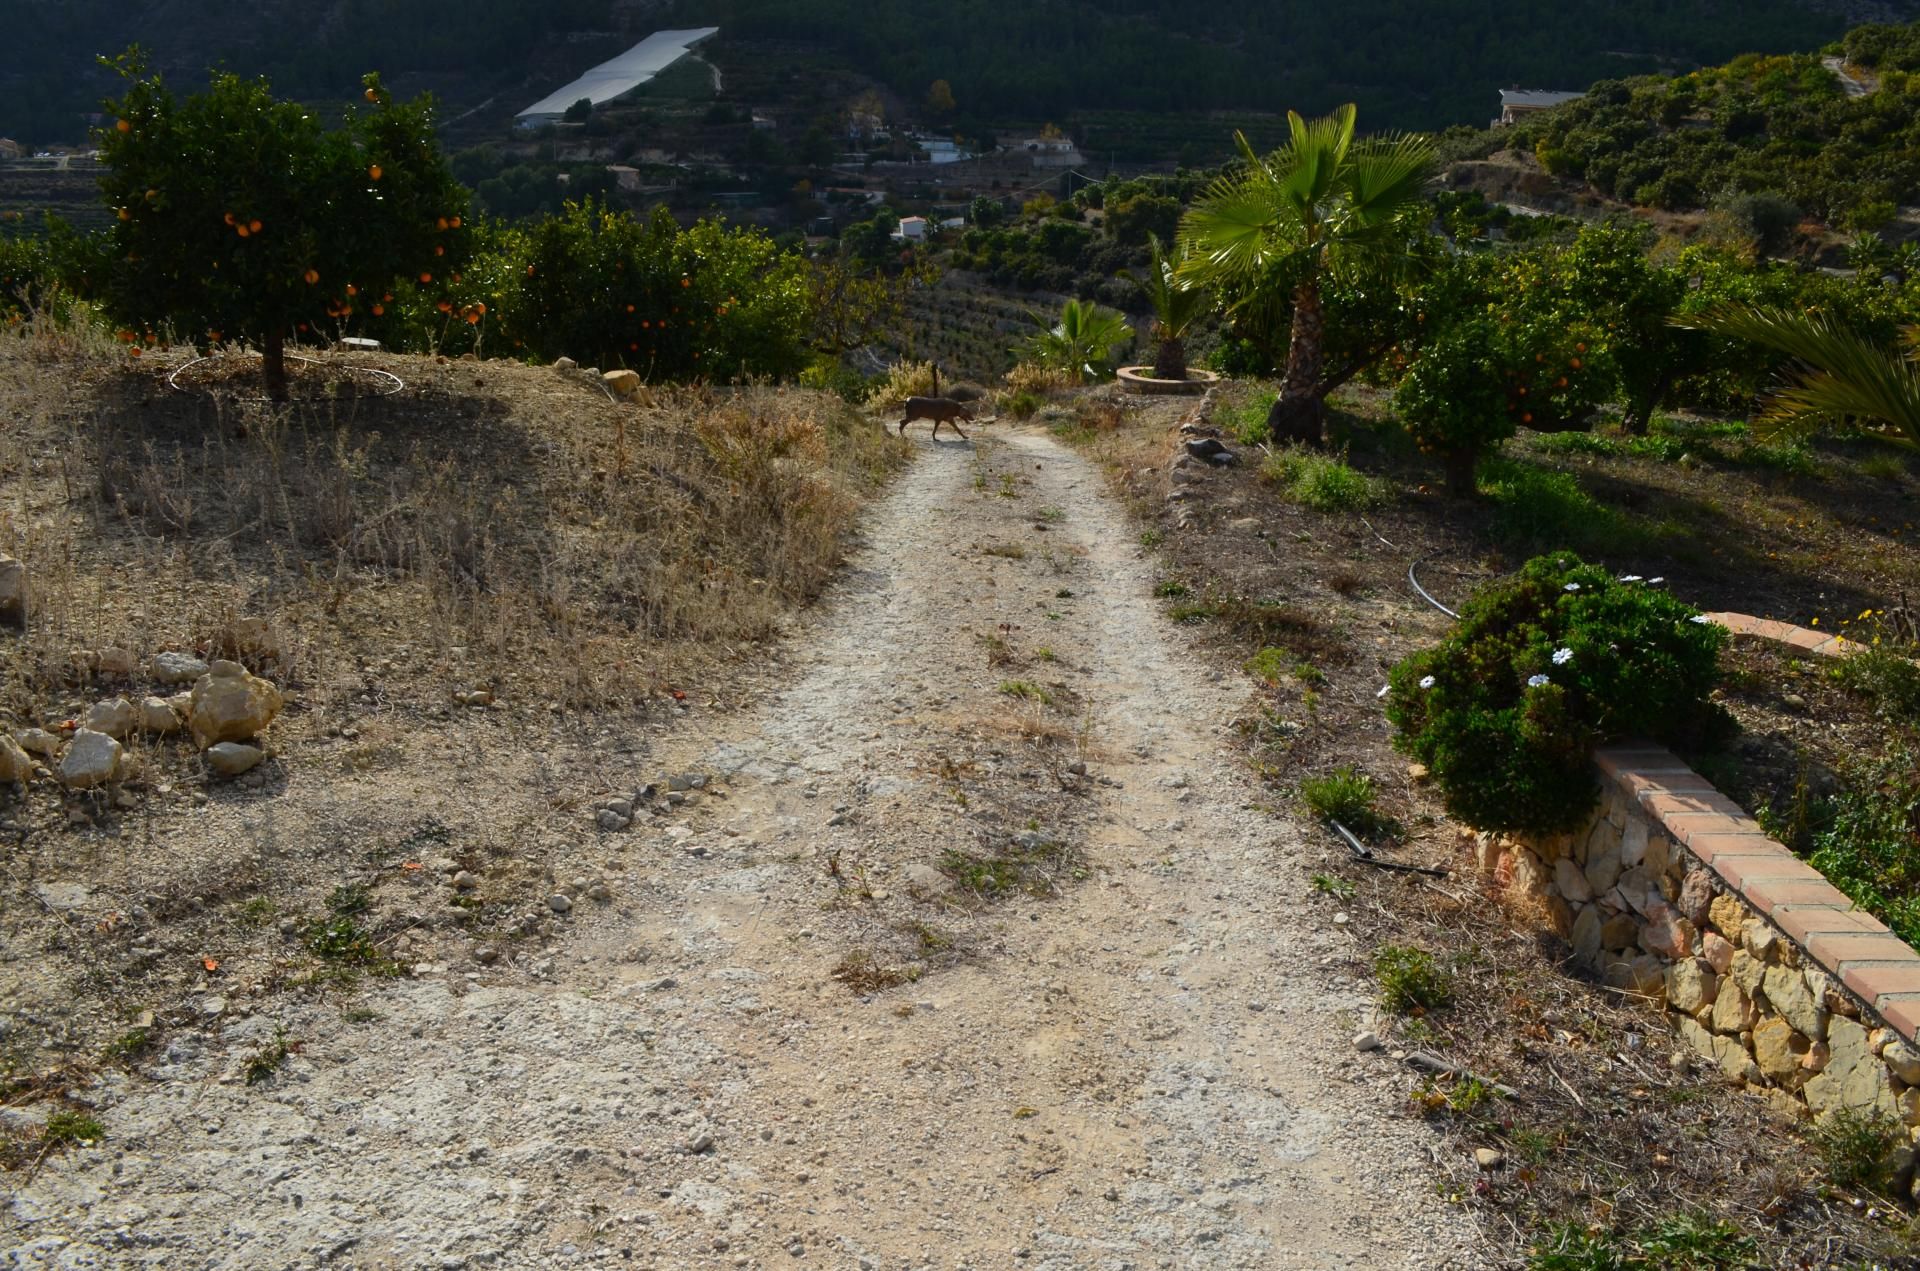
<point>1672,892</point>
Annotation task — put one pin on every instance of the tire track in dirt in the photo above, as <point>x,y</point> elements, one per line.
<point>1138,1058</point>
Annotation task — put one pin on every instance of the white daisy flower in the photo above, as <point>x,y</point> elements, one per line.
<point>1655,582</point>
<point>1426,681</point>
<point>1535,681</point>
<point>1571,587</point>
<point>1700,618</point>
<point>1631,578</point>
<point>1562,656</point>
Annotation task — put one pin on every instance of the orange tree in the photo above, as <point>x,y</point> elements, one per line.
<point>705,302</point>
<point>241,217</point>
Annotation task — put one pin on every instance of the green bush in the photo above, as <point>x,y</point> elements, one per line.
<point>1854,1146</point>
<point>705,302</point>
<point>1544,666</point>
<point>1871,850</point>
<point>1409,978</point>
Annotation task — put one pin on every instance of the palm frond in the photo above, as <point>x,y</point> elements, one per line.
<point>1386,176</point>
<point>1846,374</point>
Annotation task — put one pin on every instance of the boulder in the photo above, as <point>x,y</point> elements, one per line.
<point>13,591</point>
<point>1603,861</point>
<point>1747,971</point>
<point>1727,915</point>
<point>1778,1049</point>
<point>1903,1061</point>
<point>1586,935</point>
<point>1761,940</point>
<point>1571,881</point>
<point>15,764</point>
<point>622,383</point>
<point>926,881</point>
<point>176,668</point>
<point>1854,1076</point>
<point>38,741</point>
<point>116,718</point>
<point>1733,1010</point>
<point>1691,984</point>
<point>565,364</point>
<point>92,759</point>
<point>1792,1000</point>
<point>1645,976</point>
<point>1667,933</point>
<point>116,661</point>
<point>229,704</point>
<point>1696,896</point>
<point>1718,953</point>
<point>1619,932</point>
<point>230,758</point>
<point>1633,843</point>
<point>158,717</point>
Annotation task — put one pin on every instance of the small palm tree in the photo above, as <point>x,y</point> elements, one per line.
<point>1081,343</point>
<point>1322,202</point>
<point>1842,373</point>
<point>1176,307</point>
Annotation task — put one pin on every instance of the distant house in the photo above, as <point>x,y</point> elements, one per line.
<point>913,229</point>
<point>1052,152</point>
<point>1516,103</point>
<point>11,149</point>
<point>628,179</point>
<point>763,123</point>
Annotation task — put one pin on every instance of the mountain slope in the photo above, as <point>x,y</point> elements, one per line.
<point>1409,63</point>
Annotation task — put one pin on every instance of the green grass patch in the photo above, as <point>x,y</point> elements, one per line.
<point>1026,690</point>
<point>1345,795</point>
<point>1871,847</point>
<point>1541,509</point>
<point>1332,885</point>
<point>70,1127</point>
<point>1246,422</point>
<point>1321,481</point>
<point>1680,1242</point>
<point>1410,979</point>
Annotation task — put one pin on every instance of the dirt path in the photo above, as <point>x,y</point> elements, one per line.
<point>1120,1036</point>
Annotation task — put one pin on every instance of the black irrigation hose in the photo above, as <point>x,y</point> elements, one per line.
<point>1424,594</point>
<point>1364,853</point>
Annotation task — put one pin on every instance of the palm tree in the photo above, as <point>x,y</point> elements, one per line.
<point>1082,342</point>
<point>1322,202</point>
<point>1176,307</point>
<point>1842,373</point>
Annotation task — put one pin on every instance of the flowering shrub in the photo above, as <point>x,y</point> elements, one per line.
<point>1543,667</point>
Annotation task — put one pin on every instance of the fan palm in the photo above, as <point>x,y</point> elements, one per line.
<point>1321,202</point>
<point>1176,307</point>
<point>1843,374</point>
<point>1082,342</point>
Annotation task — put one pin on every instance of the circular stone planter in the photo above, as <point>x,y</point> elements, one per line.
<point>1139,379</point>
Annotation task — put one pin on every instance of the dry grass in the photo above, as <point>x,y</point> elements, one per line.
<point>494,517</point>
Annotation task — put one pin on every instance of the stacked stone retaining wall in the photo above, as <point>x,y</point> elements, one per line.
<point>1672,892</point>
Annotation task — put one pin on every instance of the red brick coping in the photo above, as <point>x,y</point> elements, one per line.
<point>1821,642</point>
<point>1852,945</point>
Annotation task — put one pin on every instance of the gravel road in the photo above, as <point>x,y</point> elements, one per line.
<point>1100,1023</point>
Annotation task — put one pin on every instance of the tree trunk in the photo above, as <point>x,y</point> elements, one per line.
<point>1299,413</point>
<point>1460,468</point>
<point>273,365</point>
<point>1171,362</point>
<point>1640,411</point>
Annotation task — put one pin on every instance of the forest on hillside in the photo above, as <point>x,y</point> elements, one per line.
<point>1408,63</point>
<point>1782,128</point>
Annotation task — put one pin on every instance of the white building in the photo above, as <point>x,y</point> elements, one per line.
<point>913,229</point>
<point>1516,103</point>
<point>614,79</point>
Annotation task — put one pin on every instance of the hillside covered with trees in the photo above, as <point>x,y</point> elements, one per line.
<point>1785,129</point>
<point>1407,64</point>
